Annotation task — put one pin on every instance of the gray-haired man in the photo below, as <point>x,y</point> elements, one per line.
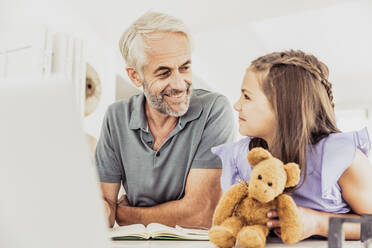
<point>157,144</point>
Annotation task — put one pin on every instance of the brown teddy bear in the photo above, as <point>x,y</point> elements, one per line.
<point>241,213</point>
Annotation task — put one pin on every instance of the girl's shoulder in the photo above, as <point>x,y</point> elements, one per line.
<point>234,162</point>
<point>229,149</point>
<point>340,148</point>
<point>337,152</point>
<point>327,161</point>
<point>348,142</point>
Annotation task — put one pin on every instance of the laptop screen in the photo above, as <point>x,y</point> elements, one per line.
<point>49,187</point>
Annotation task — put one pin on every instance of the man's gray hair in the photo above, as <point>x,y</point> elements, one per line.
<point>132,45</point>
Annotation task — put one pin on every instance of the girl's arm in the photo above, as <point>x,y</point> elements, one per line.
<point>316,223</point>
<point>356,186</point>
<point>320,220</point>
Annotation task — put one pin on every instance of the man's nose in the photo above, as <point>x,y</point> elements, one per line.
<point>178,82</point>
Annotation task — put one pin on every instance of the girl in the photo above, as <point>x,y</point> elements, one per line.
<point>286,106</point>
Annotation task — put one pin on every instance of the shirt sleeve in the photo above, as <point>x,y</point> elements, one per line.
<point>108,166</point>
<point>229,174</point>
<point>219,129</point>
<point>339,153</point>
<point>235,165</point>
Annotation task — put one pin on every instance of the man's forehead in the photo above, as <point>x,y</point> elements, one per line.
<point>157,40</point>
<point>167,49</point>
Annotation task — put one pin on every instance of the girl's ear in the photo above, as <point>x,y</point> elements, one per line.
<point>257,155</point>
<point>134,76</point>
<point>293,174</point>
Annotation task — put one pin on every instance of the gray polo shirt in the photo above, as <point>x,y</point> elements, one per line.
<point>124,151</point>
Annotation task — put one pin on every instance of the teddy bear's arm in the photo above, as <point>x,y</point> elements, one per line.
<point>290,222</point>
<point>227,203</point>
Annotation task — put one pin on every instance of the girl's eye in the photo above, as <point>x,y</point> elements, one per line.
<point>246,97</point>
<point>186,68</point>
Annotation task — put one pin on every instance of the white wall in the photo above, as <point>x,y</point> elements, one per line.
<point>25,20</point>
<point>228,35</point>
<point>338,35</point>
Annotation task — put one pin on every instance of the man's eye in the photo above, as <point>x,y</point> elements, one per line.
<point>246,97</point>
<point>164,74</point>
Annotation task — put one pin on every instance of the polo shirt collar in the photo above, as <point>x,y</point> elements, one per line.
<point>138,117</point>
<point>194,111</point>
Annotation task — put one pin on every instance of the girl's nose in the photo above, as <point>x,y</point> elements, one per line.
<point>237,106</point>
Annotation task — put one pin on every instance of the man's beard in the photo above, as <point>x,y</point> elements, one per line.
<point>158,102</point>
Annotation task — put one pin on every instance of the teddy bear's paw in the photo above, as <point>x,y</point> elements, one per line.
<point>251,238</point>
<point>222,236</point>
<point>291,236</point>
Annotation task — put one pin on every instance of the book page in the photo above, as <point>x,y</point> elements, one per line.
<point>157,230</point>
<point>193,231</point>
<point>129,231</point>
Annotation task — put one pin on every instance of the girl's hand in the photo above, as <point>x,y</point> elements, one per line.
<point>310,222</point>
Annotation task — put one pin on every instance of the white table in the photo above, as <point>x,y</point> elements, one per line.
<point>207,244</point>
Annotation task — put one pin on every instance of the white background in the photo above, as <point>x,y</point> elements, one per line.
<point>227,36</point>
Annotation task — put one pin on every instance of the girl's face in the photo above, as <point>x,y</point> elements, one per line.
<point>256,117</point>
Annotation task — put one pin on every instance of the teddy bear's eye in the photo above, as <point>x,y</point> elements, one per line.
<point>270,184</point>
<point>259,177</point>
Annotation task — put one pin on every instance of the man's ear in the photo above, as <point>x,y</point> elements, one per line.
<point>293,174</point>
<point>257,155</point>
<point>134,76</point>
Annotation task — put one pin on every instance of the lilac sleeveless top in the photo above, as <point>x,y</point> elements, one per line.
<point>326,162</point>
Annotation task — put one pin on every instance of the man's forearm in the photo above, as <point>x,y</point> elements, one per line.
<point>180,212</point>
<point>110,208</point>
<point>351,230</point>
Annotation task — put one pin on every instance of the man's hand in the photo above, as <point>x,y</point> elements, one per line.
<point>107,209</point>
<point>194,209</point>
<point>110,193</point>
<point>110,209</point>
<point>123,201</point>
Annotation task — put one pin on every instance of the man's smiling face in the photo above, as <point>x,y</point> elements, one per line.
<point>167,73</point>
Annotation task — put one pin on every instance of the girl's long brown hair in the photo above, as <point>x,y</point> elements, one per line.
<point>296,85</point>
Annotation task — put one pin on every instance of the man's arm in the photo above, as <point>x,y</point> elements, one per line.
<point>195,209</point>
<point>108,164</point>
<point>110,193</point>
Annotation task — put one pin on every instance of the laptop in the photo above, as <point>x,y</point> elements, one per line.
<point>48,186</point>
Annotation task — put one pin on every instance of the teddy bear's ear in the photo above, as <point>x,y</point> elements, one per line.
<point>257,155</point>
<point>293,174</point>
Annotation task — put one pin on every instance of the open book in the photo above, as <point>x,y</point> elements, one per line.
<point>157,231</point>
